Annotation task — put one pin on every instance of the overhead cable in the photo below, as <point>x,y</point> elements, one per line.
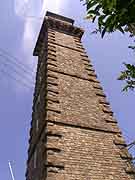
<point>15,68</point>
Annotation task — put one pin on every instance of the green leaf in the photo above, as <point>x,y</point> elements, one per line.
<point>94,12</point>
<point>103,32</point>
<point>121,30</point>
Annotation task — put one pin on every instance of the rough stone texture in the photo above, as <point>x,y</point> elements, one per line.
<point>61,37</point>
<point>85,155</point>
<point>79,106</point>
<point>77,137</point>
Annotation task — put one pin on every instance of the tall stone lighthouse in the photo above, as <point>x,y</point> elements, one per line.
<point>73,134</point>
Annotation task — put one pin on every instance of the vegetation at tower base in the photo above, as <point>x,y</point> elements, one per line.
<point>115,15</point>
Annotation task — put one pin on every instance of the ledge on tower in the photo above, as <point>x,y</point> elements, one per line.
<point>57,22</point>
<point>59,17</point>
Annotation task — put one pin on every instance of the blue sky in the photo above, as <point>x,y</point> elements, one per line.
<point>18,35</point>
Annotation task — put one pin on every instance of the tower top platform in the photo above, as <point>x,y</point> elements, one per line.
<point>58,23</point>
<point>59,17</point>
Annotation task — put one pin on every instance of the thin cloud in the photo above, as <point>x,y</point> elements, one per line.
<point>30,26</point>
<point>30,11</point>
<point>53,6</point>
<point>19,6</point>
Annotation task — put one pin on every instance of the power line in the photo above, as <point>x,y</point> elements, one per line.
<point>19,75</point>
<point>126,134</point>
<point>7,63</point>
<point>16,79</point>
<point>17,61</point>
<point>11,171</point>
<point>132,144</point>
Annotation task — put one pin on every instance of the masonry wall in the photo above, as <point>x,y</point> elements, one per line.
<point>77,136</point>
<point>84,154</point>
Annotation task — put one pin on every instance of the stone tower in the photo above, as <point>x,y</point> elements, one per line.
<point>73,135</point>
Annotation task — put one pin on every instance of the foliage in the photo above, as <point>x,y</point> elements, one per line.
<point>129,76</point>
<point>111,14</point>
<point>115,15</point>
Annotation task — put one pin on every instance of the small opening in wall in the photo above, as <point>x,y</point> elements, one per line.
<point>35,159</point>
<point>37,125</point>
<point>38,99</point>
<point>40,79</point>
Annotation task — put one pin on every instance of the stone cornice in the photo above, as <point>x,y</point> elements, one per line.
<point>62,18</point>
<point>64,26</point>
<point>57,25</point>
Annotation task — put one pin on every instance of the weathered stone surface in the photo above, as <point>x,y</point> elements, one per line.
<point>73,135</point>
<point>86,155</point>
